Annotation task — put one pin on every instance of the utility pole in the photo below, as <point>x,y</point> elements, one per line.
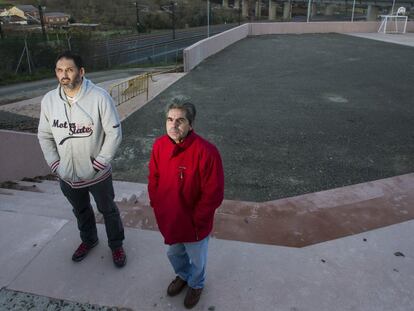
<point>42,22</point>
<point>173,18</point>
<point>137,12</point>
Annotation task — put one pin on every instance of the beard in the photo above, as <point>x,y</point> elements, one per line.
<point>68,84</point>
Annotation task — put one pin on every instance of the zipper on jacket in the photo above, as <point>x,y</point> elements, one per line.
<point>181,175</point>
<point>181,170</point>
<point>195,228</point>
<point>66,104</point>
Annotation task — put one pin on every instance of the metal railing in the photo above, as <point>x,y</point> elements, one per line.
<point>126,90</point>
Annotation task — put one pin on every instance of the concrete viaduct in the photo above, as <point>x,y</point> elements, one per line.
<point>373,6</point>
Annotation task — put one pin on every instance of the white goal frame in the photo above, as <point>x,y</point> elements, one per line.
<point>393,24</point>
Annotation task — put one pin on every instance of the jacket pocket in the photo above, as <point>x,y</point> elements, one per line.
<point>64,170</point>
<point>84,168</point>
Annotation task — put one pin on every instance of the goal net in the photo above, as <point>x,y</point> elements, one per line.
<point>393,24</point>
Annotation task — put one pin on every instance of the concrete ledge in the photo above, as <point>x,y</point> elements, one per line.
<point>20,156</point>
<point>196,53</point>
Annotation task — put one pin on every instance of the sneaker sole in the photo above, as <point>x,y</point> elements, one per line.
<point>118,265</point>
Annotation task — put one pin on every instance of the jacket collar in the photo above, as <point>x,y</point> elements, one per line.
<point>180,147</point>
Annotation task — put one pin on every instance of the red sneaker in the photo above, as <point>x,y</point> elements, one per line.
<point>83,250</point>
<point>119,257</point>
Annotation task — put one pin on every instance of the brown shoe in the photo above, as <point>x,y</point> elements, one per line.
<point>176,286</point>
<point>192,297</point>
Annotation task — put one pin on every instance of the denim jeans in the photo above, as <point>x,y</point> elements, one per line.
<point>189,261</point>
<point>103,193</point>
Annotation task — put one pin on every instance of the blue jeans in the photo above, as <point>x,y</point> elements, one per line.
<point>189,261</point>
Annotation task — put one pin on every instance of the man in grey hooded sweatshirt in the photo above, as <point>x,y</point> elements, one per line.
<point>79,133</point>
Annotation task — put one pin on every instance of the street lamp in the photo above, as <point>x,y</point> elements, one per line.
<point>138,8</point>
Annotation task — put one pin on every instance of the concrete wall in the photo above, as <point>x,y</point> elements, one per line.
<point>410,26</point>
<point>258,29</point>
<point>20,156</point>
<point>196,53</point>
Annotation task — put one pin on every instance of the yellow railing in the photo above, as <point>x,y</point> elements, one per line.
<point>124,91</point>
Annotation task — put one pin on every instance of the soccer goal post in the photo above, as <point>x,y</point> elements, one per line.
<point>393,24</point>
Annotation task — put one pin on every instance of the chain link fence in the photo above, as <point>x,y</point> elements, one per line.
<point>27,55</point>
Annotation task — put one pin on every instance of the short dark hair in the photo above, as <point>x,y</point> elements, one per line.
<point>69,55</point>
<point>189,109</point>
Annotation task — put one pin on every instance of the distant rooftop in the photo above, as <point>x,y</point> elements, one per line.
<point>57,14</point>
<point>27,7</point>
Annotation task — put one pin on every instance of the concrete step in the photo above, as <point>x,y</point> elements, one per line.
<point>44,198</point>
<point>35,203</point>
<point>43,186</point>
<point>124,191</point>
<point>295,222</point>
<point>129,191</point>
<point>360,272</point>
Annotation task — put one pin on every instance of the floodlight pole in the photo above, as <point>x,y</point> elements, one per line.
<point>353,10</point>
<point>309,10</point>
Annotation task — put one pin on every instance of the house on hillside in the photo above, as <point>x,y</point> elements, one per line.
<point>56,18</point>
<point>28,12</point>
<point>13,19</point>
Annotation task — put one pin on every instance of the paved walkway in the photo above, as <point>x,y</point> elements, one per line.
<point>369,271</point>
<point>401,39</point>
<point>31,107</point>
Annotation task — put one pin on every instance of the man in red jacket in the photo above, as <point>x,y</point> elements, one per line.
<point>185,185</point>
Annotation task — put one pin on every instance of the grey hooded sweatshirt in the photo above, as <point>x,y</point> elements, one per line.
<point>80,139</point>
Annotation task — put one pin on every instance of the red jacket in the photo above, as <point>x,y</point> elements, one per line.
<point>185,186</point>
